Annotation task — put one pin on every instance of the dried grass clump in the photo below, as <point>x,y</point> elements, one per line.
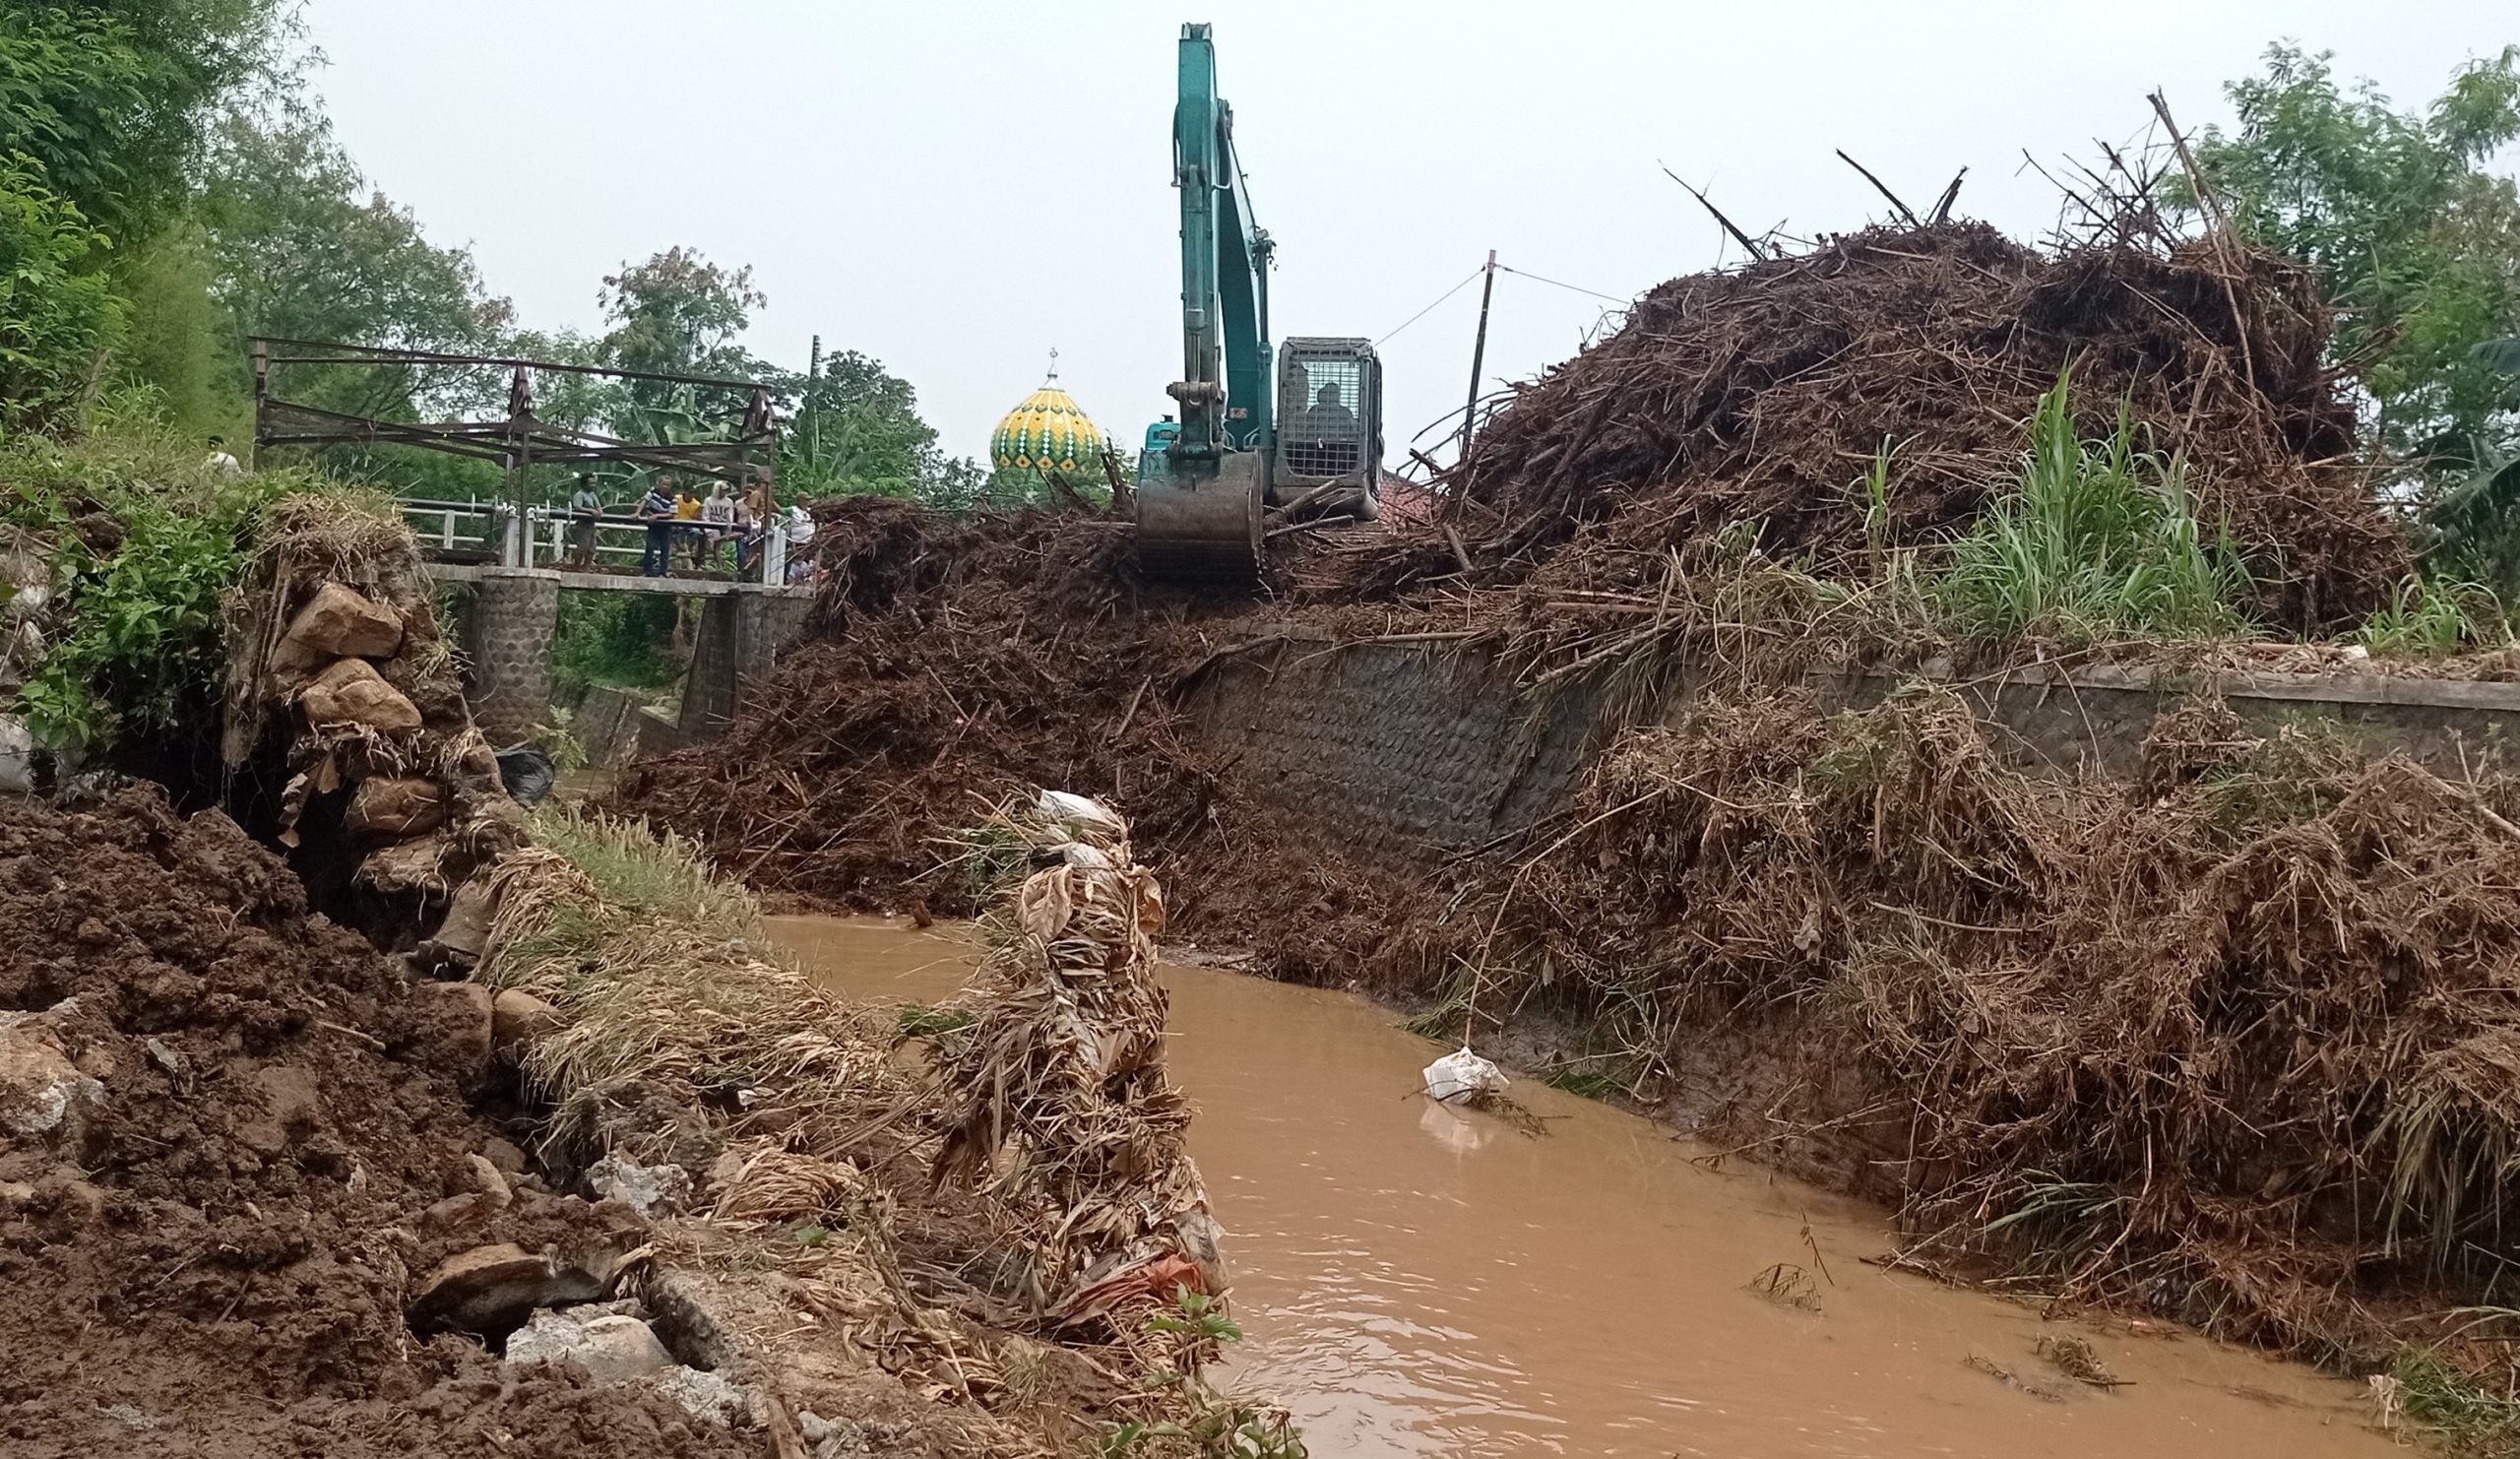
<point>1059,1101</point>
<point>651,966</point>
<point>2247,1052</point>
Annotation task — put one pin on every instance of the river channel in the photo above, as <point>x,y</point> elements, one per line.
<point>1418,1282</point>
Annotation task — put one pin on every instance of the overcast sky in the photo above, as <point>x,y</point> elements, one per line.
<point>955,188</point>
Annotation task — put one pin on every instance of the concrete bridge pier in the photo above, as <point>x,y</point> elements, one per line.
<point>516,614</point>
<point>740,638</point>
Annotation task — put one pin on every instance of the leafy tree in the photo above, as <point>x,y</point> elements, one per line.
<point>855,430</point>
<point>180,346</point>
<point>305,249</point>
<point>2417,239</point>
<point>55,319</point>
<point>301,247</point>
<point>107,98</point>
<point>676,314</point>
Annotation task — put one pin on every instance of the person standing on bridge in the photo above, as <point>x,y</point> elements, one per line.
<point>656,510</point>
<point>686,516</point>
<point>800,534</point>
<point>719,510</point>
<point>584,508</point>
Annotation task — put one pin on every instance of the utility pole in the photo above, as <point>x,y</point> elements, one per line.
<point>1477,355</point>
<point>813,409</point>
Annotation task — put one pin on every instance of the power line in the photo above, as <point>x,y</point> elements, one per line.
<point>1431,308</point>
<point>1595,292</point>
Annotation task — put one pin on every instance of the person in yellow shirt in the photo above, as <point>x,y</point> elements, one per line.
<point>686,509</point>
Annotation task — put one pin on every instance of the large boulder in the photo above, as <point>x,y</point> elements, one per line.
<point>517,1019</point>
<point>607,1347</point>
<point>393,808</point>
<point>338,624</point>
<point>352,693</point>
<point>465,931</point>
<point>494,1288</point>
<point>42,1094</point>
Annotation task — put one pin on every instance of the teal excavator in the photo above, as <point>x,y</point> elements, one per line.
<point>1308,447</point>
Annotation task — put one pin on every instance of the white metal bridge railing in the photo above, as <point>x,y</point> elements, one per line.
<point>543,536</point>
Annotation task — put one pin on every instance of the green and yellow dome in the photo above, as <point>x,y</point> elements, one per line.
<point>1048,432</point>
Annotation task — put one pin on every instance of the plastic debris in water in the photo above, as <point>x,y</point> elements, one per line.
<point>1462,1075</point>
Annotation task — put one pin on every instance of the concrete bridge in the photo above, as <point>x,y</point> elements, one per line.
<point>505,564</point>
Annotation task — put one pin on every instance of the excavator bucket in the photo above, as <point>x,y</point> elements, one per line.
<point>1202,527</point>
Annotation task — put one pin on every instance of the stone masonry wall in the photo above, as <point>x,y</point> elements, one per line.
<point>1409,748</point>
<point>740,638</point>
<point>1404,747</point>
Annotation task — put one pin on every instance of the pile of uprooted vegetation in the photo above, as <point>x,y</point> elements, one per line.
<point>1766,394</point>
<point>2238,1043</point>
<point>948,663</point>
<point>1594,530</point>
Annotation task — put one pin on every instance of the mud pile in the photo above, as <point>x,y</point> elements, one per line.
<point>947,665</point>
<point>233,1144</point>
<point>1763,393</point>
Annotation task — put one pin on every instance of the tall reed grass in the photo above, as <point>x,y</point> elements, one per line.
<point>2097,539</point>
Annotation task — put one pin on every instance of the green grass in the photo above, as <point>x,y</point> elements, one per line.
<point>922,1021</point>
<point>660,875</point>
<point>1591,1084</point>
<point>2426,619</point>
<point>2096,540</point>
<point>2467,1418</point>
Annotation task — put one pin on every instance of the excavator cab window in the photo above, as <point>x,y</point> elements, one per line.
<point>1328,410</point>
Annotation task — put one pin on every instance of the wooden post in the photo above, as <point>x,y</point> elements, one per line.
<point>262,398</point>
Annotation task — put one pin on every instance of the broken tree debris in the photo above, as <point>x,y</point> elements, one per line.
<point>1762,394</point>
<point>1059,1098</point>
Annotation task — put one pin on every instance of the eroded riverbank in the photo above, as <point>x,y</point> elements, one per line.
<point>1415,1281</point>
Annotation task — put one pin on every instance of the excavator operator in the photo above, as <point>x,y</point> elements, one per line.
<point>1324,440</point>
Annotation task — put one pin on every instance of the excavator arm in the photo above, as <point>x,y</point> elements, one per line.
<point>1224,389</point>
<point>1206,481</point>
<point>1202,481</point>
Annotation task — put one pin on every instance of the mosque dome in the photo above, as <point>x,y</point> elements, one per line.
<point>1048,432</point>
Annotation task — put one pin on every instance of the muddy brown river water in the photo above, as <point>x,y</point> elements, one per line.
<point>1415,1281</point>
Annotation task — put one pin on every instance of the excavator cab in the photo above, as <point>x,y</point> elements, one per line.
<point>1329,429</point>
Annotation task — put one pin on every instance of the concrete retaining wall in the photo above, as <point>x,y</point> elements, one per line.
<point>1409,747</point>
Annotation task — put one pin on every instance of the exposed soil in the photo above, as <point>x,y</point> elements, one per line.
<point>217,1262</point>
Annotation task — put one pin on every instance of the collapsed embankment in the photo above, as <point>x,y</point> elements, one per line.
<point>235,1135</point>
<point>2228,1044</point>
<point>552,1160</point>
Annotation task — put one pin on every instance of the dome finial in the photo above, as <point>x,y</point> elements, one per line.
<point>1053,377</point>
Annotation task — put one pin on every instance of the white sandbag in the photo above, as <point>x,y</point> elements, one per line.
<point>1459,1076</point>
<point>1079,811</point>
<point>17,756</point>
